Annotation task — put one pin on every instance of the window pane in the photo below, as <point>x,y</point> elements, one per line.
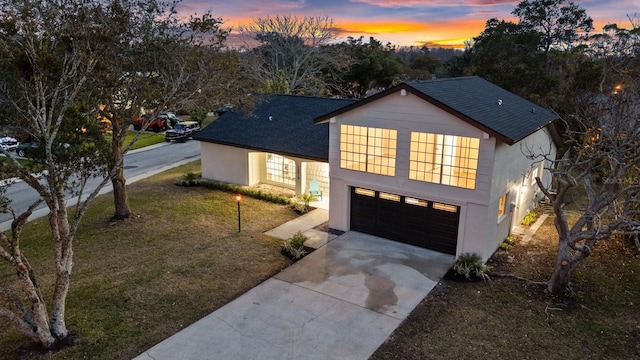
<point>365,192</point>
<point>502,203</point>
<point>447,159</point>
<point>387,196</point>
<point>445,207</point>
<point>417,202</point>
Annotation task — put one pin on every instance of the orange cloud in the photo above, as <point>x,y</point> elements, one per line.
<point>445,34</point>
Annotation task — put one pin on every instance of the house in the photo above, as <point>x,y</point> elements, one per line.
<point>277,143</point>
<point>440,164</point>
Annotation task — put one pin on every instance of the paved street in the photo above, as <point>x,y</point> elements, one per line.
<point>138,164</point>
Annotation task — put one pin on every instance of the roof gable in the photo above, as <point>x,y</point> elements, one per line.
<point>484,105</point>
<point>280,124</point>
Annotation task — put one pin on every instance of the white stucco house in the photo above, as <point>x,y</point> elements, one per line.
<point>440,164</point>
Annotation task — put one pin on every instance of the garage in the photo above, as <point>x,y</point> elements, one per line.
<point>428,224</point>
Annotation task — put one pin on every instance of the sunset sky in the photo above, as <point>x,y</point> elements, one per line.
<point>446,23</point>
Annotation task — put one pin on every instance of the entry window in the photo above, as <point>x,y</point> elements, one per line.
<point>444,159</point>
<point>502,206</point>
<point>368,149</point>
<point>281,170</point>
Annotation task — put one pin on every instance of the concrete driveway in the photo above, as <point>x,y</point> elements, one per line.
<point>340,302</point>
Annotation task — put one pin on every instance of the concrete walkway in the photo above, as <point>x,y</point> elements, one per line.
<point>339,302</point>
<point>305,225</point>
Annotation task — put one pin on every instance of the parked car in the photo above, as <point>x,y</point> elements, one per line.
<point>170,118</point>
<point>223,109</point>
<point>182,131</point>
<point>156,124</point>
<point>23,149</point>
<point>8,143</point>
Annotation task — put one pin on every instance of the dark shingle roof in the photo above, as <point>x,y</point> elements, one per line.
<point>280,124</point>
<point>489,107</point>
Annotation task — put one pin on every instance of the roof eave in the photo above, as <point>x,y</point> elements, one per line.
<point>404,86</point>
<point>254,148</point>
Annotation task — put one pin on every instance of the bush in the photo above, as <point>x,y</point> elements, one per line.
<point>294,246</point>
<point>510,240</point>
<point>189,179</point>
<point>237,189</point>
<point>300,203</point>
<point>469,265</point>
<point>529,219</point>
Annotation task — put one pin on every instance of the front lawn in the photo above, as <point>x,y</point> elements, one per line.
<point>138,282</point>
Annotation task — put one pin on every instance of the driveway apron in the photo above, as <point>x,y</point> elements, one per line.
<point>340,302</point>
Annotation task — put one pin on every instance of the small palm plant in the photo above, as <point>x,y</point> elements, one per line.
<point>469,265</point>
<point>294,246</point>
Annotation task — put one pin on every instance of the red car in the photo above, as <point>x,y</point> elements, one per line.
<point>145,121</point>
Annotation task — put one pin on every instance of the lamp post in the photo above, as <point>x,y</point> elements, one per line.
<point>238,198</point>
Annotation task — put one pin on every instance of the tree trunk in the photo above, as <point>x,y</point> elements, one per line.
<point>559,280</point>
<point>63,247</point>
<point>566,261</point>
<point>38,329</point>
<point>120,197</point>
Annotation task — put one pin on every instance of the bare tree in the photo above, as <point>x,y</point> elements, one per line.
<point>603,158</point>
<point>289,50</point>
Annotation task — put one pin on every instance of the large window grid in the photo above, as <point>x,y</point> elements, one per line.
<point>444,159</point>
<point>281,170</point>
<point>368,149</point>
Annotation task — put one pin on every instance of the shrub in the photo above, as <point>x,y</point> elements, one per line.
<point>301,202</point>
<point>189,178</point>
<point>510,240</point>
<point>469,265</point>
<point>529,219</point>
<point>237,189</point>
<point>294,246</point>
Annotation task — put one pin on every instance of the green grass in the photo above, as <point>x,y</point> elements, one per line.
<point>148,138</point>
<point>7,171</point>
<point>137,282</point>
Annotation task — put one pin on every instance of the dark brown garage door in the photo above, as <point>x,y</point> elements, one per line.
<point>419,222</point>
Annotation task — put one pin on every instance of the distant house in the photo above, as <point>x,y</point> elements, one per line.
<point>439,164</point>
